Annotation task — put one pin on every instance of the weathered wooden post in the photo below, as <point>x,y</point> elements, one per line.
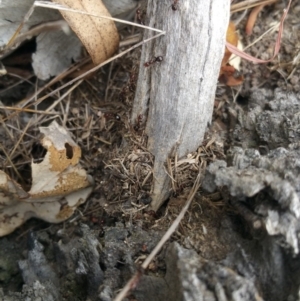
<point>177,95</point>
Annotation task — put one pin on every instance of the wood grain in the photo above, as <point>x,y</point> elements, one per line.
<point>177,95</point>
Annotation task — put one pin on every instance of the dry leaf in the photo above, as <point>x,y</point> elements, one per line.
<point>55,52</point>
<point>59,184</point>
<point>12,14</point>
<point>232,38</point>
<point>228,71</point>
<point>99,36</point>
<point>55,49</point>
<point>230,77</point>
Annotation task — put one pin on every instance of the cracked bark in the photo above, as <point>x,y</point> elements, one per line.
<point>176,96</point>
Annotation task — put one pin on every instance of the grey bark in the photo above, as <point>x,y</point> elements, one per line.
<point>176,96</point>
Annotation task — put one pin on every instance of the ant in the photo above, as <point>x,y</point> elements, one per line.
<point>138,122</point>
<point>175,5</point>
<point>140,16</point>
<point>110,116</point>
<point>130,86</point>
<point>123,94</point>
<point>156,59</point>
<point>132,82</point>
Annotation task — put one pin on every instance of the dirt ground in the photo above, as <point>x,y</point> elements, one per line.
<point>115,218</point>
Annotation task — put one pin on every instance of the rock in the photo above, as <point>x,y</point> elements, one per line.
<point>75,269</point>
<point>80,268</point>
<point>9,255</point>
<point>35,292</point>
<point>37,271</point>
<point>70,268</point>
<point>264,188</point>
<point>152,288</point>
<point>190,278</point>
<point>121,246</point>
<point>78,261</point>
<point>271,120</point>
<point>265,192</point>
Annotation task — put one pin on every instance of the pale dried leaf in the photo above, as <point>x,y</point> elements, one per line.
<point>99,36</point>
<point>55,53</point>
<point>12,14</point>
<point>235,60</point>
<point>59,184</point>
<point>55,49</point>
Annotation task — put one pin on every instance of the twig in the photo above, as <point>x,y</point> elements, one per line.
<point>249,57</point>
<point>253,16</point>
<point>17,38</point>
<point>94,69</point>
<point>56,6</point>
<point>53,105</point>
<point>247,4</point>
<point>10,158</point>
<point>132,282</point>
<point>26,18</point>
<point>12,164</point>
<point>28,110</point>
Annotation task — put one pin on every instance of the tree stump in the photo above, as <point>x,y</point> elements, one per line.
<point>176,96</point>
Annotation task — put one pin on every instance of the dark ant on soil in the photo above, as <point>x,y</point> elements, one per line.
<point>157,59</point>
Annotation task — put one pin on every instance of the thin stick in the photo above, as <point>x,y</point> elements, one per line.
<point>247,4</point>
<point>52,106</point>
<point>26,18</point>
<point>28,110</point>
<point>130,40</point>
<point>17,38</point>
<point>249,57</point>
<point>10,158</point>
<point>95,68</point>
<point>167,235</point>
<point>56,79</point>
<point>51,5</point>
<point>11,163</point>
<point>2,122</point>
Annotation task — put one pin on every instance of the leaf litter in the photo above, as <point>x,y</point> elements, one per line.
<point>59,185</point>
<point>97,114</point>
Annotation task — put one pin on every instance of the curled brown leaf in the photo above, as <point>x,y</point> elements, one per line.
<point>98,35</point>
